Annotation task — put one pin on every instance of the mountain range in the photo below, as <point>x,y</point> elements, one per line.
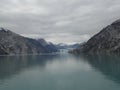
<point>107,40</point>
<point>66,46</point>
<point>12,43</point>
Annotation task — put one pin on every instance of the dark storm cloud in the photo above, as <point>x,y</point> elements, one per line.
<point>66,21</point>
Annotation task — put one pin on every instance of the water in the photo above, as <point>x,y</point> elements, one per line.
<point>60,72</point>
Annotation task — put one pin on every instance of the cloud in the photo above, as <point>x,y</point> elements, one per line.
<point>24,7</point>
<point>62,23</point>
<point>76,20</point>
<point>68,37</point>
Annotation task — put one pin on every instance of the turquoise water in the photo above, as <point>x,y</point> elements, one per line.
<point>60,72</point>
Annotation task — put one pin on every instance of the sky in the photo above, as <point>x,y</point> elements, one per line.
<point>58,21</point>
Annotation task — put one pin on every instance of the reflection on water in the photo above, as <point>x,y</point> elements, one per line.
<point>10,65</point>
<point>108,65</point>
<point>60,72</point>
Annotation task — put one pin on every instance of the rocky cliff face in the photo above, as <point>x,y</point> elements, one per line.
<point>12,43</point>
<point>107,40</point>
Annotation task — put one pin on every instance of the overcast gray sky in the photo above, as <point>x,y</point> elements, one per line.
<point>59,21</point>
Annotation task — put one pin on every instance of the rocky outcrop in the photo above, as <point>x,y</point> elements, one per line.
<point>12,43</point>
<point>107,40</point>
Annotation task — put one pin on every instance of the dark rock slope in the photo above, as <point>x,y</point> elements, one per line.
<point>107,40</point>
<point>12,43</point>
<point>48,45</point>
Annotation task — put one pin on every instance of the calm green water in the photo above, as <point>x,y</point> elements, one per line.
<point>60,72</point>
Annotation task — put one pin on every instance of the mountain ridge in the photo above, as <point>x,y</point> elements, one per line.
<point>107,40</point>
<point>12,43</point>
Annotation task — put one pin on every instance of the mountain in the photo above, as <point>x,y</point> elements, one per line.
<point>49,46</point>
<point>107,40</point>
<point>74,46</point>
<point>65,46</point>
<point>61,46</point>
<point>12,43</point>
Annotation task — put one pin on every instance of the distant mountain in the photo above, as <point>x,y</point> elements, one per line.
<point>65,46</point>
<point>61,46</point>
<point>74,46</point>
<point>48,45</point>
<point>107,40</point>
<point>12,43</point>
